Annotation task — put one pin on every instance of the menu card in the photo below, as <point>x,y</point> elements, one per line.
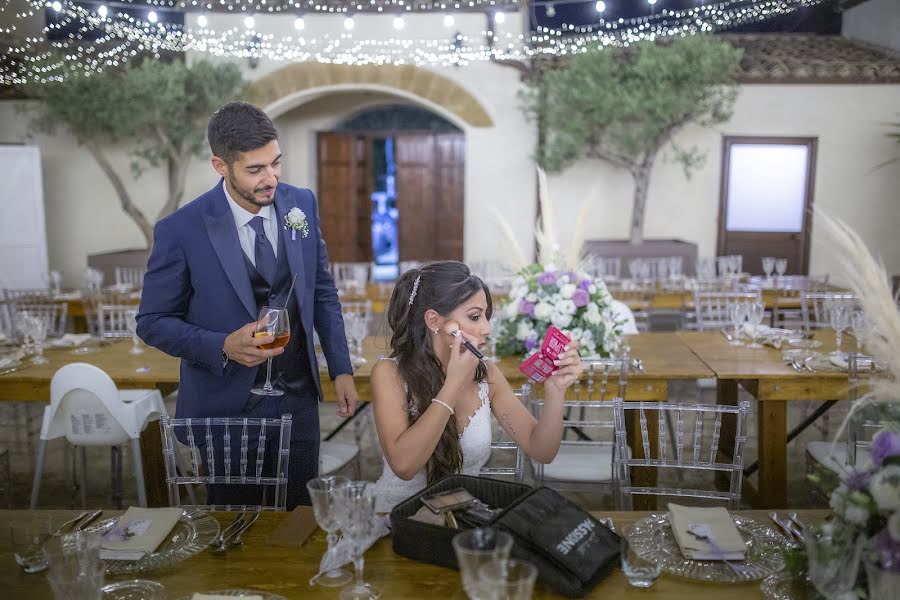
<point>138,532</point>
<point>706,533</point>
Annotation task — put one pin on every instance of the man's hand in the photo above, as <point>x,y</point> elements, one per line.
<point>345,391</point>
<point>242,348</point>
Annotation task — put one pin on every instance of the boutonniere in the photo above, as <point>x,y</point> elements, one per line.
<point>295,220</point>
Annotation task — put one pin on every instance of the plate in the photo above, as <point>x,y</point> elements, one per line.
<point>803,343</point>
<point>764,551</point>
<point>136,589</point>
<point>784,586</point>
<point>191,535</point>
<point>239,594</point>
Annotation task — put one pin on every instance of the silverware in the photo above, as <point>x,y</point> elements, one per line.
<point>218,545</point>
<point>236,541</point>
<point>90,519</point>
<point>806,364</point>
<point>787,532</point>
<point>800,529</point>
<point>637,364</point>
<point>727,335</point>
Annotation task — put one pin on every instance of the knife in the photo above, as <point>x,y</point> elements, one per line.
<point>727,335</point>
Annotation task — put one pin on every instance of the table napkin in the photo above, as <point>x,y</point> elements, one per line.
<point>70,340</point>
<point>138,532</point>
<point>198,596</point>
<point>342,552</point>
<point>725,542</point>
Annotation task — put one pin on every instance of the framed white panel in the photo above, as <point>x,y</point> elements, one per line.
<point>766,187</point>
<point>23,235</point>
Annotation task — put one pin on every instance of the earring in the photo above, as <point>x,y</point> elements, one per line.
<point>435,331</point>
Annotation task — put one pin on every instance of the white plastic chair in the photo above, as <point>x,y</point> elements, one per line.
<point>88,410</point>
<point>502,444</point>
<point>130,276</point>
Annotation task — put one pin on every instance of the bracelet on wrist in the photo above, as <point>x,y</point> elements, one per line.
<point>445,405</point>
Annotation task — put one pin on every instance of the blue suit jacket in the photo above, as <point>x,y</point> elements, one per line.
<point>197,291</point>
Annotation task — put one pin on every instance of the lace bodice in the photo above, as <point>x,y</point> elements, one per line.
<point>475,442</point>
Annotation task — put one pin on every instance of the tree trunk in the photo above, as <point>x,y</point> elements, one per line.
<point>641,175</point>
<point>124,197</point>
<point>177,174</point>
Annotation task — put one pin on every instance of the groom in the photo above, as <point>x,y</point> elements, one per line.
<point>215,263</point>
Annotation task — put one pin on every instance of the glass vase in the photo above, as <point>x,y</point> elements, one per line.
<point>834,556</point>
<point>883,584</point>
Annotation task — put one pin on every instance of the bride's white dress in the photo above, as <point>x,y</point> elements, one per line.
<point>475,442</point>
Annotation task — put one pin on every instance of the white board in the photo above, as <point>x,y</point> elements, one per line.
<point>23,234</point>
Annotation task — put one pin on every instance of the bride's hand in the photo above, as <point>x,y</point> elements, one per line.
<point>570,369</point>
<point>462,364</point>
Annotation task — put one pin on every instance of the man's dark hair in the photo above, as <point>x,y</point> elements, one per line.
<point>238,127</point>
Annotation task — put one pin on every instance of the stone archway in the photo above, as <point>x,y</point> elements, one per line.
<point>279,91</point>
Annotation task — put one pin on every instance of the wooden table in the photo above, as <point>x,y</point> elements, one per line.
<point>286,571</point>
<point>763,373</point>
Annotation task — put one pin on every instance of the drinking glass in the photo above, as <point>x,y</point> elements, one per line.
<point>860,324</point>
<point>737,312</point>
<point>781,266</point>
<point>640,570</point>
<point>755,313</point>
<point>322,493</point>
<point>840,320</point>
<point>38,333</point>
<point>768,264</point>
<point>358,522</point>
<point>350,329</point>
<point>272,321</point>
<point>361,328</point>
<point>833,555</point>
<point>76,571</point>
<point>475,548</point>
<point>131,323</point>
<point>28,533</point>
<point>506,579</point>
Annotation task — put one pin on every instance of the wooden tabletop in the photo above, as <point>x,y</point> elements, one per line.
<point>286,571</point>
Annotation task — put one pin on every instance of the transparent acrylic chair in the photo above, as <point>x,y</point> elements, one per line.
<point>696,448</point>
<point>130,276</point>
<point>711,308</point>
<point>54,314</point>
<point>502,445</point>
<point>229,452</point>
<point>112,320</point>
<point>585,457</point>
<point>815,307</point>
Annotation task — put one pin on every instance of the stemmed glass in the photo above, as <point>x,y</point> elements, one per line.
<point>737,312</point>
<point>755,313</point>
<point>131,323</point>
<point>323,494</point>
<point>780,266</point>
<point>860,324</point>
<point>360,327</point>
<point>840,320</point>
<point>357,520</point>
<point>35,329</point>
<point>272,321</point>
<point>768,264</point>
<point>350,330</point>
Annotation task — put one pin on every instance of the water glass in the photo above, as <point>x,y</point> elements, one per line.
<point>475,548</point>
<point>737,312</point>
<point>76,571</point>
<point>755,313</point>
<point>507,579</point>
<point>781,266</point>
<point>131,323</point>
<point>323,494</point>
<point>840,320</point>
<point>768,265</point>
<point>357,525</point>
<point>641,570</point>
<point>28,533</point>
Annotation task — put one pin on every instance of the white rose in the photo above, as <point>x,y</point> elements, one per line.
<point>856,514</point>
<point>561,320</point>
<point>836,502</point>
<point>577,333</point>
<point>593,318</point>
<point>592,307</point>
<point>592,289</point>
<point>566,306</point>
<point>885,488</point>
<point>511,310</point>
<point>542,311</point>
<point>555,298</point>
<point>587,336</point>
<point>566,290</point>
<point>531,297</point>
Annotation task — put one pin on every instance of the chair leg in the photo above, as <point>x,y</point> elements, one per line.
<point>115,473</point>
<point>38,471</point>
<point>81,451</point>
<point>139,471</point>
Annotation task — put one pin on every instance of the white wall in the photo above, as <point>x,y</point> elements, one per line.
<point>875,21</point>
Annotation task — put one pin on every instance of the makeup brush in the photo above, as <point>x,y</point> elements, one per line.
<point>469,345</point>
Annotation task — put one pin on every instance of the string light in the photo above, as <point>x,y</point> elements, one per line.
<point>551,10</point>
<point>123,36</point>
<point>299,23</point>
<point>202,20</point>
<point>600,6</point>
<point>349,24</point>
<point>102,11</point>
<point>57,6</point>
<point>249,22</point>
<point>399,23</point>
<point>151,16</point>
<point>449,20</point>
<point>499,17</point>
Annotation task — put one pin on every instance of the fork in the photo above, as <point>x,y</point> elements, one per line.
<point>219,544</point>
<point>237,541</point>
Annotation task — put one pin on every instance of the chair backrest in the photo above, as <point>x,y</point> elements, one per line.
<point>230,452</point>
<point>503,444</point>
<point>53,314</point>
<point>28,295</point>
<point>711,308</point>
<point>604,267</point>
<point>94,299</point>
<point>815,307</point>
<point>86,409</point>
<point>867,419</point>
<point>130,276</point>
<point>116,321</point>
<point>696,446</point>
<point>351,276</point>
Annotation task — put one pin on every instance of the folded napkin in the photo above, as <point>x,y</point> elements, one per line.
<point>223,597</point>
<point>71,340</point>
<point>138,532</point>
<point>342,552</point>
<point>722,540</point>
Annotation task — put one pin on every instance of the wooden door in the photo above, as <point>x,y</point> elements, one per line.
<point>430,195</point>
<point>345,210</point>
<point>766,200</point>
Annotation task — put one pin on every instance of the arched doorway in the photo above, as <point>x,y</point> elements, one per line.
<point>391,187</point>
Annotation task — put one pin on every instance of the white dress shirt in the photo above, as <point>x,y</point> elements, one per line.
<point>246,234</point>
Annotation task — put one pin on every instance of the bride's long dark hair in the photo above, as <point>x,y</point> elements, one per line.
<point>442,286</point>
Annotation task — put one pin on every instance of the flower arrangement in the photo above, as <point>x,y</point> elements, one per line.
<point>574,302</point>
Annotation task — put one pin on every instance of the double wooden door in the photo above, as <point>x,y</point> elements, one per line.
<point>429,188</point>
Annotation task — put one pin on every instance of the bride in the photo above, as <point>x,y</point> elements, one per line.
<point>432,397</point>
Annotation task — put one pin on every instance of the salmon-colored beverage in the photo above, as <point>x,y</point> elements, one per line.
<point>281,340</point>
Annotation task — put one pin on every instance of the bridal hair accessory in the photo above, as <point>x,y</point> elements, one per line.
<point>412,294</point>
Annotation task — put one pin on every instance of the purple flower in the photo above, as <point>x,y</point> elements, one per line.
<point>526,308</point>
<point>585,284</point>
<point>546,278</point>
<point>888,550</point>
<point>857,480</point>
<point>530,343</point>
<point>884,445</point>
<point>580,297</point>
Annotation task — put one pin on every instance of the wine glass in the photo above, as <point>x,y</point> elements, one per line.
<point>860,324</point>
<point>131,323</point>
<point>781,266</point>
<point>768,264</point>
<point>323,494</point>
<point>350,329</point>
<point>755,313</point>
<point>38,331</point>
<point>357,522</point>
<point>360,329</point>
<point>737,312</point>
<point>272,321</point>
<point>840,320</point>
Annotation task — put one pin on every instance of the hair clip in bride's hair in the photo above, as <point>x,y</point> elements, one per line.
<point>412,294</point>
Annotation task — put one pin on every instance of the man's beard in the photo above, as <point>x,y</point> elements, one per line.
<point>250,196</point>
